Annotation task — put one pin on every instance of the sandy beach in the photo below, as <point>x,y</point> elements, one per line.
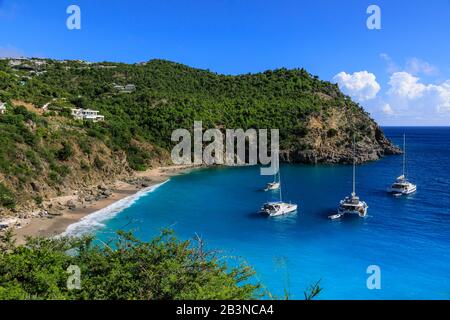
<point>54,225</point>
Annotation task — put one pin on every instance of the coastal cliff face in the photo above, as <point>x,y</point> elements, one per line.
<point>46,153</point>
<point>329,139</point>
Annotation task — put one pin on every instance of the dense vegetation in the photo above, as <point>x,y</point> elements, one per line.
<point>44,153</point>
<point>47,153</point>
<point>164,268</point>
<point>171,96</point>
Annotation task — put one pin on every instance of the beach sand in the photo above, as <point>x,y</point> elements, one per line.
<point>54,225</point>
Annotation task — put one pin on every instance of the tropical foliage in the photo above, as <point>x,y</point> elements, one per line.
<point>164,268</point>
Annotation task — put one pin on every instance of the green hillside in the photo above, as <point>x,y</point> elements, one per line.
<point>46,152</point>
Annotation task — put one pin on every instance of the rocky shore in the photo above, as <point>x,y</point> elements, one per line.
<point>364,152</point>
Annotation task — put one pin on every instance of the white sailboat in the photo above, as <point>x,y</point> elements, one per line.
<point>275,185</point>
<point>402,186</point>
<point>352,204</point>
<point>278,208</point>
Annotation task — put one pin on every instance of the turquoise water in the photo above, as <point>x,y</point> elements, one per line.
<point>408,238</point>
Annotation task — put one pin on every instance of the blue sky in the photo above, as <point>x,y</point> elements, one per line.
<point>400,74</point>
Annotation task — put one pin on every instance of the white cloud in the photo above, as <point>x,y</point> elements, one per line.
<point>409,99</point>
<point>391,66</point>
<point>360,85</point>
<point>409,94</point>
<point>417,66</point>
<point>405,85</point>
<point>414,66</point>
<point>442,93</point>
<point>387,109</point>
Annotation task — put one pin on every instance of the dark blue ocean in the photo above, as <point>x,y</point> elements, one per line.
<point>408,238</point>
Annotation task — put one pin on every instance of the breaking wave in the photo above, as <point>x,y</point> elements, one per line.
<point>95,221</point>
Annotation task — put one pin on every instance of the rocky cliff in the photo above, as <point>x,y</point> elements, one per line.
<point>329,139</point>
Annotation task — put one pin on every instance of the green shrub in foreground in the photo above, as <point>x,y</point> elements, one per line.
<point>164,268</point>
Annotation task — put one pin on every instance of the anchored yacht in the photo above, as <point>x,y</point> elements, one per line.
<point>278,208</point>
<point>275,185</point>
<point>402,186</point>
<point>352,204</point>
<point>272,186</point>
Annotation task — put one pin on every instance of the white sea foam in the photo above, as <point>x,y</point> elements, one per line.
<point>96,220</point>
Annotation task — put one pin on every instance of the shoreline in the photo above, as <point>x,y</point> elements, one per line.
<point>55,225</point>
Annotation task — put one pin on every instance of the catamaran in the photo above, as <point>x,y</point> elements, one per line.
<point>352,204</point>
<point>402,186</point>
<point>278,208</point>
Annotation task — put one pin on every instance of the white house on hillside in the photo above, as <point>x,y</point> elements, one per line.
<point>2,107</point>
<point>87,114</point>
<point>128,88</point>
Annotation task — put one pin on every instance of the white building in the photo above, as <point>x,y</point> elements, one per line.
<point>2,107</point>
<point>130,87</point>
<point>39,62</point>
<point>87,114</point>
<point>17,62</point>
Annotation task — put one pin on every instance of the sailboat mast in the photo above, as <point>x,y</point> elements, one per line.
<point>404,155</point>
<point>279,178</point>
<point>281,198</point>
<point>354,165</point>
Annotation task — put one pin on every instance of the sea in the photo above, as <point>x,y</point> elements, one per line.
<point>401,250</point>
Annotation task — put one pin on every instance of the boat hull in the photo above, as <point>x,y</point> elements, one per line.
<point>360,211</point>
<point>285,208</point>
<point>402,191</point>
<point>272,187</point>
